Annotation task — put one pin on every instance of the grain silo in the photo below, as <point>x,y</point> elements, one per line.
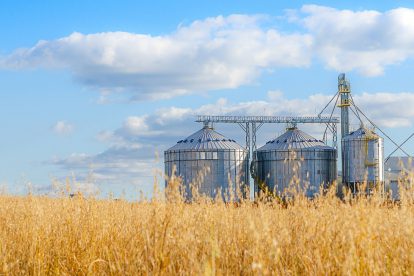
<point>209,161</point>
<point>362,158</point>
<point>292,156</point>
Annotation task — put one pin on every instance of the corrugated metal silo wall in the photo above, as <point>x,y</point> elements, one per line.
<point>312,167</point>
<point>210,171</point>
<point>363,160</point>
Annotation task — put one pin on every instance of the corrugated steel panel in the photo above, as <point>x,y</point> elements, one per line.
<point>362,158</point>
<point>206,139</point>
<point>293,139</point>
<point>210,161</point>
<point>295,154</point>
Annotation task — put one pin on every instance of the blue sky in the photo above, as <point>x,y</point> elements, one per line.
<point>92,89</point>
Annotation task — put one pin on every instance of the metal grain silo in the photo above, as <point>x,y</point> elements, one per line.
<point>362,158</point>
<point>210,161</point>
<point>292,156</point>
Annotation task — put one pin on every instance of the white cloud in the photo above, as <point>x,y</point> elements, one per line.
<point>366,40</point>
<point>62,128</point>
<point>138,126</point>
<point>131,157</point>
<point>127,165</point>
<point>215,53</point>
<point>166,125</point>
<point>135,145</point>
<point>68,185</point>
<point>389,110</point>
<point>226,52</point>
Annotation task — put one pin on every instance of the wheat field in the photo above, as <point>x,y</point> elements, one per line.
<point>87,236</point>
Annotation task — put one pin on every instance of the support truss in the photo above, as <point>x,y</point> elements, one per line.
<point>251,124</point>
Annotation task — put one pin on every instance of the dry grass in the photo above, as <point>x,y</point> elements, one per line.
<point>79,236</point>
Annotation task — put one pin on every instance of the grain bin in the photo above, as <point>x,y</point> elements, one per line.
<point>292,156</point>
<point>210,161</point>
<point>362,158</point>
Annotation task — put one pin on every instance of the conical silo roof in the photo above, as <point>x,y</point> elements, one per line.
<point>294,138</point>
<point>360,133</point>
<point>206,139</point>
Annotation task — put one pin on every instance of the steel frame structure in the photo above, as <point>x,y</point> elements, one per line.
<point>251,124</point>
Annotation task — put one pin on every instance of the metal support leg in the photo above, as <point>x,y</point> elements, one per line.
<point>253,140</point>
<point>246,128</point>
<point>334,137</point>
<point>253,151</point>
<point>249,154</point>
<point>248,137</point>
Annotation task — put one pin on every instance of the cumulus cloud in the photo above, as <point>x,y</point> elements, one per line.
<point>366,41</point>
<point>62,128</point>
<point>124,165</point>
<point>132,154</point>
<point>68,186</point>
<point>226,52</point>
<point>215,53</point>
<point>138,126</point>
<point>167,124</point>
<point>388,110</point>
<point>135,152</point>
